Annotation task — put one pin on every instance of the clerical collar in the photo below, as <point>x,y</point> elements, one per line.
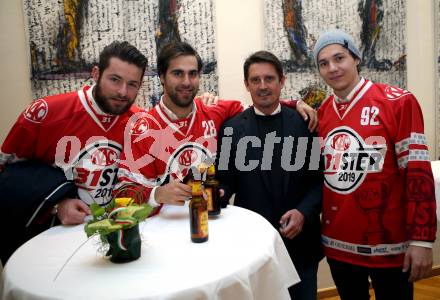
<point>260,113</point>
<point>170,114</point>
<point>92,101</point>
<point>352,93</point>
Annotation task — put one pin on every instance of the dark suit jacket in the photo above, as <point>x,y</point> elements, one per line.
<point>27,190</point>
<point>302,189</point>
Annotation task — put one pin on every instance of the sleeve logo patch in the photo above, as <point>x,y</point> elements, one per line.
<point>37,111</point>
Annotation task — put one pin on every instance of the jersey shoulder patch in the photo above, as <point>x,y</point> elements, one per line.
<point>36,111</point>
<point>394,93</point>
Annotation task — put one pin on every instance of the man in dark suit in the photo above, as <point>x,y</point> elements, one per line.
<point>270,161</point>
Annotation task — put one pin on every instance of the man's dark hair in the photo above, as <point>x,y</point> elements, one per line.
<point>125,52</point>
<point>263,57</point>
<point>173,50</point>
<point>358,67</point>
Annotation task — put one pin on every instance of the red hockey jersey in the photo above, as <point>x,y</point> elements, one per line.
<point>379,188</point>
<point>162,149</point>
<point>69,130</point>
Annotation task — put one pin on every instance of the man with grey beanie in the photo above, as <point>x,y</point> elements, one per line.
<point>378,218</point>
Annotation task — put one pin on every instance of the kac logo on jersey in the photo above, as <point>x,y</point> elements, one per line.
<point>139,127</point>
<point>37,111</point>
<point>95,169</point>
<point>187,156</point>
<point>141,123</point>
<point>105,157</point>
<point>348,159</point>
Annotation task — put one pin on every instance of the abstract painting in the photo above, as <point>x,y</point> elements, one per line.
<point>66,36</point>
<point>293,26</point>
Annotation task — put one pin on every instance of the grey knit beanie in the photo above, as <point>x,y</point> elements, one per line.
<point>335,36</point>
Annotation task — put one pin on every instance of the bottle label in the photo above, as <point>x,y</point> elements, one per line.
<point>209,199</point>
<point>203,219</point>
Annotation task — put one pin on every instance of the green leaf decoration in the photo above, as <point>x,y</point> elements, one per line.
<point>97,211</point>
<point>113,218</point>
<point>143,212</point>
<point>103,227</point>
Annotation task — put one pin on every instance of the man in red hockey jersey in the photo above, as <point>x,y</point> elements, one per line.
<point>378,218</point>
<point>176,134</point>
<point>82,131</point>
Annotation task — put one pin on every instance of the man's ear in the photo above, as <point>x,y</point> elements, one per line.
<point>161,79</point>
<point>246,84</point>
<point>95,73</point>
<point>282,80</point>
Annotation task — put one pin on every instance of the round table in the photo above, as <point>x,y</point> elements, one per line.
<point>244,258</point>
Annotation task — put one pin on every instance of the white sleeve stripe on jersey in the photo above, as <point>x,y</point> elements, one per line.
<point>414,155</point>
<point>376,250</point>
<point>414,139</point>
<point>137,178</point>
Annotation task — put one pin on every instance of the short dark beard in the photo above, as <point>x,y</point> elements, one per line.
<point>181,104</point>
<point>101,101</point>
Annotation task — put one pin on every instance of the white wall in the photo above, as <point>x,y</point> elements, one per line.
<point>421,59</point>
<point>15,86</point>
<point>239,34</point>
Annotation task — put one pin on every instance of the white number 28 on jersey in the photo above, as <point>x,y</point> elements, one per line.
<point>369,115</point>
<point>209,127</point>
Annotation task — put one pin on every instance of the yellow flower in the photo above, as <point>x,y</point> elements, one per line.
<point>122,202</point>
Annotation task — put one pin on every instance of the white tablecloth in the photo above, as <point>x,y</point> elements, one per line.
<point>244,258</point>
<point>435,165</point>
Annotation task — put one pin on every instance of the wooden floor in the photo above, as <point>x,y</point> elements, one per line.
<point>426,289</point>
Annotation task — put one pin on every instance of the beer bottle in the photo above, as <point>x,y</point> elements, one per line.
<point>212,192</point>
<point>198,213</point>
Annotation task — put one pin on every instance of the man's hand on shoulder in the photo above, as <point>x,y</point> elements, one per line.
<point>308,113</point>
<point>72,211</point>
<point>208,98</point>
